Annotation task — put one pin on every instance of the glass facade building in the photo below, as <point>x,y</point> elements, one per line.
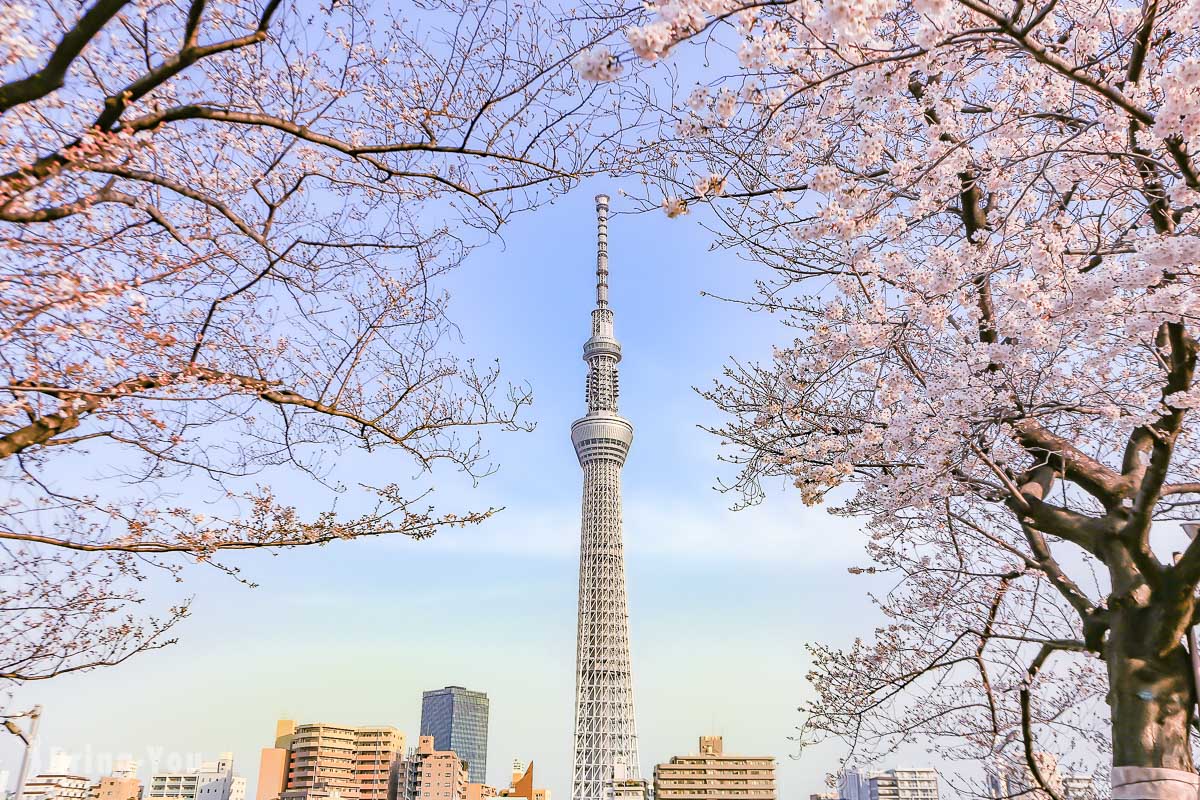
<point>457,719</point>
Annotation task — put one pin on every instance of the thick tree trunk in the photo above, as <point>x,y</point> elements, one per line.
<point>1150,694</point>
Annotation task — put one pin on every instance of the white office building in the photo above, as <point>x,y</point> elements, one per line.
<point>892,784</point>
<point>852,785</point>
<point>213,781</point>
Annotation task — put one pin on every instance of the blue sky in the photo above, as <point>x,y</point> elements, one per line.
<point>721,602</point>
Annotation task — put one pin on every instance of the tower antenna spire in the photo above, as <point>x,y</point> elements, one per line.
<point>601,251</point>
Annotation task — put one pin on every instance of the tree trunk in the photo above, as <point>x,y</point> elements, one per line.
<point>1150,694</point>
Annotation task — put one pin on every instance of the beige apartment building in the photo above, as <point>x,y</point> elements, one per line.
<point>378,755</point>
<point>430,774</point>
<point>318,761</point>
<point>712,774</point>
<point>113,787</point>
<point>122,784</point>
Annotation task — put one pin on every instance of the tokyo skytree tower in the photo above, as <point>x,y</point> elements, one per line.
<point>605,734</point>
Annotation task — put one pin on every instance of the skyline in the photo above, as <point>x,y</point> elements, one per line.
<point>521,565</point>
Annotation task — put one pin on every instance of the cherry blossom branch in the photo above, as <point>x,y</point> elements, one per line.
<point>1026,692</point>
<point>1110,92</point>
<point>1073,464</point>
<point>51,76</point>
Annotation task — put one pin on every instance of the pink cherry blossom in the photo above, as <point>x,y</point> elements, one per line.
<point>979,222</point>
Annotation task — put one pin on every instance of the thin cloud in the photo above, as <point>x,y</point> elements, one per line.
<point>773,533</point>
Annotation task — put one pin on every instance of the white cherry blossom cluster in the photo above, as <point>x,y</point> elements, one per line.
<point>17,41</point>
<point>597,64</point>
<point>1180,112</point>
<point>674,21</point>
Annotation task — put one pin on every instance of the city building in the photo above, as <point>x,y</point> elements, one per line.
<point>378,754</point>
<point>628,789</point>
<point>122,784</point>
<point>522,783</point>
<point>908,784</point>
<point>112,787</point>
<point>457,719</point>
<point>902,784</point>
<point>605,732</point>
<point>57,786</point>
<point>519,768</point>
<point>174,786</point>
<point>1078,787</point>
<point>852,785</point>
<point>824,796</point>
<point>431,774</point>
<point>273,763</point>
<point>623,787</point>
<point>712,774</point>
<point>1011,777</point>
<point>318,760</point>
<point>481,791</point>
<point>213,781</point>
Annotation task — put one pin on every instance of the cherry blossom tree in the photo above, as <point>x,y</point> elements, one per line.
<point>980,219</point>
<point>223,225</point>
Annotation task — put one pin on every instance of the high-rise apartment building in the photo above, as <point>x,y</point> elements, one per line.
<point>432,774</point>
<point>318,760</point>
<point>213,781</point>
<point>713,774</point>
<point>457,719</point>
<point>378,754</point>
<point>852,785</point>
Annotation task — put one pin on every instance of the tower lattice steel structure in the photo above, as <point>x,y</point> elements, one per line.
<point>605,734</point>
